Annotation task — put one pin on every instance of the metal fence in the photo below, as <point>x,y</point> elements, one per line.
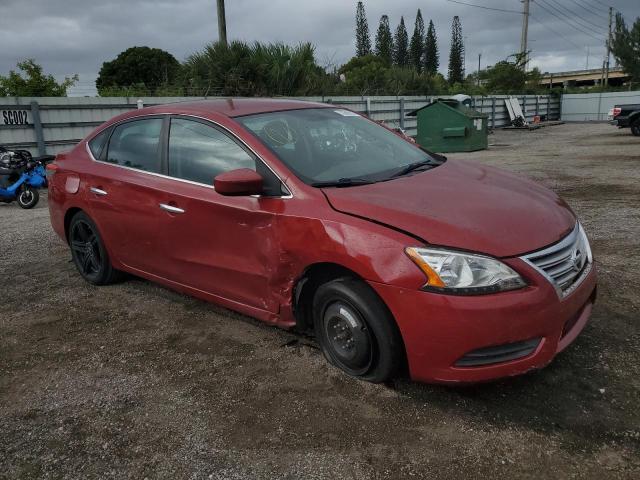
<point>48,125</point>
<point>594,107</point>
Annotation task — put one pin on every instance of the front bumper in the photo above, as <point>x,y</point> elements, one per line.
<point>439,330</point>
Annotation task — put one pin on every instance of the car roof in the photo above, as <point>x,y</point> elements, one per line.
<point>232,107</point>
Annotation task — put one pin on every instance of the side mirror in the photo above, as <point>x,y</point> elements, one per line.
<point>240,182</point>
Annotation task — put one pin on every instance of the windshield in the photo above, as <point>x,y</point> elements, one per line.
<point>325,146</point>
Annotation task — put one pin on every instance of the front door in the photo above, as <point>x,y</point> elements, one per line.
<point>222,245</point>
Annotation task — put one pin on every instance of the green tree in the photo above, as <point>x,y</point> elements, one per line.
<point>401,45</point>
<point>509,76</point>
<point>407,81</point>
<point>456,54</point>
<point>363,40</point>
<point>384,40</point>
<point>431,55</point>
<point>416,46</point>
<point>240,69</point>
<point>148,68</point>
<point>626,47</point>
<point>34,83</point>
<point>364,75</point>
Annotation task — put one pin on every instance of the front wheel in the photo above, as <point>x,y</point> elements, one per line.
<point>356,331</point>
<point>635,128</point>
<point>28,197</point>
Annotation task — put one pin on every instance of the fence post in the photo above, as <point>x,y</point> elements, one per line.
<point>368,107</point>
<point>37,126</point>
<point>560,106</point>
<point>493,112</point>
<point>402,113</point>
<point>524,107</point>
<point>537,104</point>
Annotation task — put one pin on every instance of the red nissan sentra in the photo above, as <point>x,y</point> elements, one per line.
<point>311,216</point>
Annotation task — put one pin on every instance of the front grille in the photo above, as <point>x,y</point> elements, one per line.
<point>501,353</point>
<point>566,263</point>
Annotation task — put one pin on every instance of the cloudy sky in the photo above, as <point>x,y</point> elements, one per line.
<point>76,36</point>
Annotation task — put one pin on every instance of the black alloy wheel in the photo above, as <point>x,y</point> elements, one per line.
<point>88,251</point>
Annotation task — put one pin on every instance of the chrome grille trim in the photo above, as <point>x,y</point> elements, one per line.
<point>565,264</point>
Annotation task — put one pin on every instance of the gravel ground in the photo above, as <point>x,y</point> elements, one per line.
<point>134,381</point>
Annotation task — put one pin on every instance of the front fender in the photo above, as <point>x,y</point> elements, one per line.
<point>372,251</point>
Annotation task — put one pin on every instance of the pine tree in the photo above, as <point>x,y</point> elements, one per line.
<point>456,55</point>
<point>384,40</point>
<point>401,45</point>
<point>416,46</point>
<point>363,41</point>
<point>431,55</point>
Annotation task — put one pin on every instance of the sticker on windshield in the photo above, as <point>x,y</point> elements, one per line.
<point>347,113</point>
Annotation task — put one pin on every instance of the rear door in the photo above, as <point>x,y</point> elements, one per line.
<point>124,191</point>
<point>226,246</point>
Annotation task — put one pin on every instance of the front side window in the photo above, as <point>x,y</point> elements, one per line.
<point>136,144</point>
<point>198,152</point>
<point>323,146</point>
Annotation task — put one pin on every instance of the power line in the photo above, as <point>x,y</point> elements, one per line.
<point>568,22</point>
<point>587,8</point>
<point>555,31</point>
<point>595,5</point>
<point>485,8</point>
<point>578,16</point>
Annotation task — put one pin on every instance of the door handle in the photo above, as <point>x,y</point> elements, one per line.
<point>97,191</point>
<point>171,208</point>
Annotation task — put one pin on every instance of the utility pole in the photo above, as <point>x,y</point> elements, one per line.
<point>464,56</point>
<point>525,33</point>
<point>609,41</point>
<point>222,23</point>
<point>479,57</point>
<point>587,66</point>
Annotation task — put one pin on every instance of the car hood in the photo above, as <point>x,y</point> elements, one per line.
<point>463,205</point>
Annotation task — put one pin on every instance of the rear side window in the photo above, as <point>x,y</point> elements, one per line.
<point>199,152</point>
<point>97,143</point>
<point>136,144</point>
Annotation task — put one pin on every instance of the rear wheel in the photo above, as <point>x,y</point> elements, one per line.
<point>28,197</point>
<point>88,251</point>
<point>635,128</point>
<point>356,330</point>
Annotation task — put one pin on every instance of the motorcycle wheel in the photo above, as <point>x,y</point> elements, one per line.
<point>28,198</point>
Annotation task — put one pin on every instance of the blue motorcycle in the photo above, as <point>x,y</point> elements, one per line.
<point>21,176</point>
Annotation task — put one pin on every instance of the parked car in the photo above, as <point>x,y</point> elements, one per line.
<point>626,116</point>
<point>311,216</point>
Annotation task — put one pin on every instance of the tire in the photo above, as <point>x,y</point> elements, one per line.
<point>28,198</point>
<point>635,128</point>
<point>89,253</point>
<point>356,331</point>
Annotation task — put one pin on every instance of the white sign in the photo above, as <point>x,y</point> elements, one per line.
<point>15,117</point>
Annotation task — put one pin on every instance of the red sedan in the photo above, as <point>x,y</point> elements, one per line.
<point>311,216</point>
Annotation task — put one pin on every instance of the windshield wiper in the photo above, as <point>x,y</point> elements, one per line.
<point>343,182</point>
<point>412,167</point>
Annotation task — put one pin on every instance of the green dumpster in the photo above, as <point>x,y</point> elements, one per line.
<point>450,126</point>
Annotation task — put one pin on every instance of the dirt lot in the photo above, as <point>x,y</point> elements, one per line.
<point>134,381</point>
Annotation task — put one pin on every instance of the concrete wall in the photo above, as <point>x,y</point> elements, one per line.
<point>593,107</point>
<point>55,124</point>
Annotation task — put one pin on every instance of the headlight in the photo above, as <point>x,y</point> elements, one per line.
<point>463,273</point>
<point>585,243</point>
